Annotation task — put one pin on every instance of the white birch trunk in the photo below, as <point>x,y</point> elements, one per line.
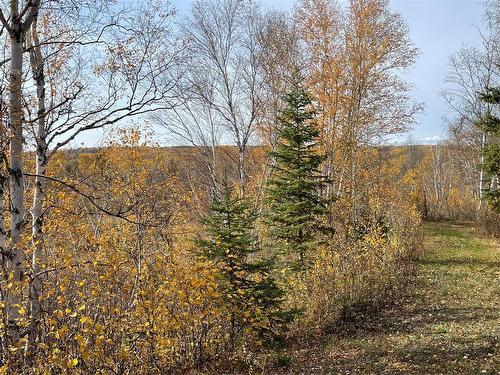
<point>481,173</point>
<point>37,66</point>
<point>15,252</point>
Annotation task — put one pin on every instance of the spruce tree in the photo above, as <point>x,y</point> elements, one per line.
<point>490,125</point>
<point>246,281</point>
<point>296,209</point>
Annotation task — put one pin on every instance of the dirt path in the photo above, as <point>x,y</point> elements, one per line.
<point>450,324</point>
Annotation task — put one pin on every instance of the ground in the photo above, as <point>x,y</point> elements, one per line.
<point>449,322</point>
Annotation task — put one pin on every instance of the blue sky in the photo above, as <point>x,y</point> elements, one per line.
<point>438,28</point>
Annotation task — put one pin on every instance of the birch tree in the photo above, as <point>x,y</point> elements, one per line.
<point>224,77</point>
<point>354,56</point>
<point>16,21</point>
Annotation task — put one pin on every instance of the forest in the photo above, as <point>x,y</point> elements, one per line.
<point>276,215</point>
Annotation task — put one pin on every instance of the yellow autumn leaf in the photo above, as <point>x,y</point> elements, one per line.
<point>72,363</point>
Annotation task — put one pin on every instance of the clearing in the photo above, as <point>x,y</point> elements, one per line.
<point>448,324</point>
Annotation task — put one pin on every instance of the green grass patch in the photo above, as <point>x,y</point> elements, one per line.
<point>448,324</point>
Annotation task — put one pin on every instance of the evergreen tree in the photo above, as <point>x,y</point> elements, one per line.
<point>246,282</point>
<point>490,125</point>
<point>296,209</point>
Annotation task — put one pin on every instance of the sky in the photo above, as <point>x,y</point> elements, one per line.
<point>438,28</point>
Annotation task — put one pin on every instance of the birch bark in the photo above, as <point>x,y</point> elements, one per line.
<point>16,180</point>
<point>37,67</point>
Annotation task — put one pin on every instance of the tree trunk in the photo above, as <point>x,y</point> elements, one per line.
<point>15,252</point>
<point>3,233</point>
<point>481,172</point>
<point>241,171</point>
<point>37,66</point>
<point>3,180</point>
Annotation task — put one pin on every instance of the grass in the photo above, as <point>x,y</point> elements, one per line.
<point>449,323</point>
